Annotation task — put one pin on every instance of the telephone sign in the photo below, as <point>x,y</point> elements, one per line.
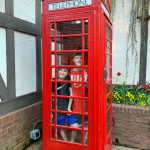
<point>69,4</point>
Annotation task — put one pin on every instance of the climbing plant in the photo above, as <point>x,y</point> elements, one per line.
<point>138,13</point>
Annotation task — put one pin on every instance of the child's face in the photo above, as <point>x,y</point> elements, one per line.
<point>62,73</point>
<point>78,60</point>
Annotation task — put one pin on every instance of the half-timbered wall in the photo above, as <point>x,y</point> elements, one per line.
<point>121,21</point>
<point>20,54</point>
<point>148,56</point>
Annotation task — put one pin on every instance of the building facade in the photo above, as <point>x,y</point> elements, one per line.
<point>121,42</point>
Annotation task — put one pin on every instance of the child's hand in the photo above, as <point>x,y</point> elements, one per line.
<point>69,110</point>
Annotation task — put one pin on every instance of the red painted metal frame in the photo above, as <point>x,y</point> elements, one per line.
<point>97,136</point>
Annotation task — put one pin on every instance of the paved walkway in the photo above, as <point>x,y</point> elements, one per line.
<point>122,148</point>
<point>38,146</point>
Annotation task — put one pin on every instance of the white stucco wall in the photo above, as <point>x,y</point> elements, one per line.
<point>25,63</point>
<point>120,33</point>
<point>2,6</point>
<point>25,9</point>
<point>148,56</point>
<point>3,64</point>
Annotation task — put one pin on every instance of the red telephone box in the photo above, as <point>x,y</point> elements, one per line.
<point>77,75</point>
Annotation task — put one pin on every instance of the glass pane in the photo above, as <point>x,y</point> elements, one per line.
<point>64,59</point>
<point>69,135</point>
<point>108,121</point>
<point>86,59</point>
<point>108,66</point>
<point>86,122</point>
<point>86,26</point>
<point>63,134</point>
<point>75,27</point>
<point>53,89</point>
<point>69,43</point>
<point>53,73</point>
<point>86,106</point>
<point>68,119</point>
<point>59,46</point>
<point>86,90</point>
<point>59,60</point>
<point>53,118</point>
<point>108,73</point>
<point>107,60</point>
<point>53,131</point>
<point>108,101</point>
<point>62,104</point>
<point>52,29</point>
<point>79,136</point>
<point>76,77</point>
<point>52,44</point>
<point>77,104</point>
<point>108,88</point>
<point>86,137</point>
<point>53,103</point>
<point>108,33</point>
<point>86,42</point>
<point>108,47</point>
<point>52,59</point>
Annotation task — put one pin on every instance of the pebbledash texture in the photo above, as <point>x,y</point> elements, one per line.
<point>16,126</point>
<point>131,126</point>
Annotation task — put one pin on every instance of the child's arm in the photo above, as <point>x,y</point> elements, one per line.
<point>70,100</point>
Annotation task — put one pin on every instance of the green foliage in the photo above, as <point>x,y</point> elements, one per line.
<point>148,100</point>
<point>132,95</point>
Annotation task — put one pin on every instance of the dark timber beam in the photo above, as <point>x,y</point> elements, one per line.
<point>143,46</point>
<point>20,25</point>
<point>9,7</point>
<point>38,47</point>
<point>38,64</point>
<point>10,51</point>
<point>38,12</point>
<point>19,102</point>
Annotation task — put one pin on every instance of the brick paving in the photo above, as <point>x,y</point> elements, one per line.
<point>38,146</point>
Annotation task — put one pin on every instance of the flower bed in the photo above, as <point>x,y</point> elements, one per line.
<point>132,95</point>
<point>131,115</point>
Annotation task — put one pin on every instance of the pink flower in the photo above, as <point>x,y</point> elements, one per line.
<point>118,74</point>
<point>145,86</point>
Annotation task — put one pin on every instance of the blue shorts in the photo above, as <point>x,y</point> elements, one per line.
<point>67,119</point>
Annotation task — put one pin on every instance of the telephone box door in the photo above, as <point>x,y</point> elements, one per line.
<point>108,82</point>
<point>68,82</point>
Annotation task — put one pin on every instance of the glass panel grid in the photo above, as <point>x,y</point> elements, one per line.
<point>108,80</point>
<point>60,52</point>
